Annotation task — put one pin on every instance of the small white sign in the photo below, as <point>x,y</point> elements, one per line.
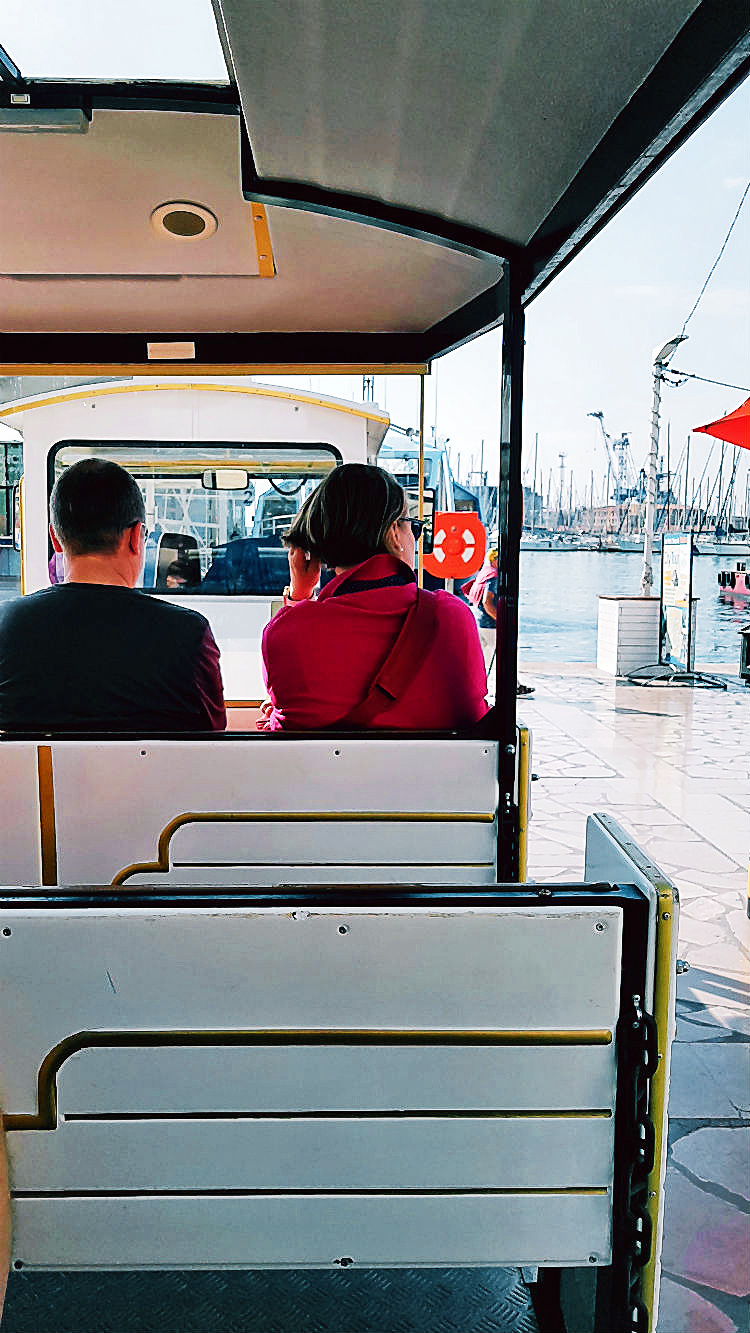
<point>170,351</point>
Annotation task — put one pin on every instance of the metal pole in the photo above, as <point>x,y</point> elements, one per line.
<point>669,479</point>
<point>690,600</point>
<point>687,475</point>
<point>560,517</point>
<point>510,522</point>
<point>420,491</point>
<point>647,573</point>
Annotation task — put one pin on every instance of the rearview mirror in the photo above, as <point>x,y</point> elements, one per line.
<point>225,479</point>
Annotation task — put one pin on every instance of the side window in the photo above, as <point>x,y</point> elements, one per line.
<point>11,468</point>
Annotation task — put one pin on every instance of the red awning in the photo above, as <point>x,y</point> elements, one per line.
<point>734,427</point>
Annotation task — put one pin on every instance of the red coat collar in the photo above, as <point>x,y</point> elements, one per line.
<point>376,567</point>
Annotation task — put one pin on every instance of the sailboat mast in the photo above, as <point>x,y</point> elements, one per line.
<point>560,515</point>
<point>533,489</point>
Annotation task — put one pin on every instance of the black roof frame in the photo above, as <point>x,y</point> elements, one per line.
<point>710,55</point>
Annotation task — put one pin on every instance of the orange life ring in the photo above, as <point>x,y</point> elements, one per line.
<point>458,546</point>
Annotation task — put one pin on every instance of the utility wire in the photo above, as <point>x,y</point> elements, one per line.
<point>686,375</point>
<point>718,257</point>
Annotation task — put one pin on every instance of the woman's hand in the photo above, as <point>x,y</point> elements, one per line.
<point>304,573</point>
<point>262,722</point>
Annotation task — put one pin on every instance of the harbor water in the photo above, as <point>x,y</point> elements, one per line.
<point>559,604</point>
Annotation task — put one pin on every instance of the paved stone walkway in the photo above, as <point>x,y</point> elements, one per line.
<point>672,765</point>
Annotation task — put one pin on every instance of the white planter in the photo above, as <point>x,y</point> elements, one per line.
<point>628,634</point>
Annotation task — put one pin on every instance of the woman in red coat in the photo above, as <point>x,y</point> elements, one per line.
<point>372,650</point>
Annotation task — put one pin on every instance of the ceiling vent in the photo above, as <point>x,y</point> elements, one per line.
<point>181,221</point>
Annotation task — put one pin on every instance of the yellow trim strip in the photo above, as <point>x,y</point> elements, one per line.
<point>22,513</point>
<point>46,1114</point>
<point>524,800</point>
<point>664,986</point>
<point>190,463</point>
<point>161,864</point>
<point>47,830</point>
<point>263,246</point>
<point>251,391</point>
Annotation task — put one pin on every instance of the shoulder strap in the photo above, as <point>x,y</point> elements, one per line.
<point>398,669</point>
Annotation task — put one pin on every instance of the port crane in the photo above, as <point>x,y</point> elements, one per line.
<point>618,456</point>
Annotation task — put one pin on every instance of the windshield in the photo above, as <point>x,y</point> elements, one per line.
<point>215,513</point>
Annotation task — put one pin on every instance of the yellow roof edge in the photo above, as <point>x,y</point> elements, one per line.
<point>78,393</point>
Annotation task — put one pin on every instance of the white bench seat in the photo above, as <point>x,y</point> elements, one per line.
<point>264,810</point>
<point>255,1085</point>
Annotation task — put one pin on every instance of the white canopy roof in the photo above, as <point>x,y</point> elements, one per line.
<point>361,185</point>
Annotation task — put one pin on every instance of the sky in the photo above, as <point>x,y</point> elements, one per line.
<point>590,335</point>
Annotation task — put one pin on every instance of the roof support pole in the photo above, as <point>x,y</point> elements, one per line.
<point>420,491</point>
<point>510,520</point>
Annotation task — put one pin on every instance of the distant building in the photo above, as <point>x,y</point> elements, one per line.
<point>606,518</point>
<point>533,508</point>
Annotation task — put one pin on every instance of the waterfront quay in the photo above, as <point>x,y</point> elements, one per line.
<point>672,765</point>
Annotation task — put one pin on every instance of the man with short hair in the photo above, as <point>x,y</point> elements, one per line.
<point>94,653</point>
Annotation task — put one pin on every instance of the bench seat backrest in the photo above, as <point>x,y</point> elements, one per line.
<point>205,1086</point>
<point>263,810</point>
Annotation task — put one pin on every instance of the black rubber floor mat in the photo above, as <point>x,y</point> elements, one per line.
<point>454,1300</point>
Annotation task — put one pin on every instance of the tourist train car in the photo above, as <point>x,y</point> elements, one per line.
<point>286,1001</point>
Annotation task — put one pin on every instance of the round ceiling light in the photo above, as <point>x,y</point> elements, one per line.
<point>182,221</point>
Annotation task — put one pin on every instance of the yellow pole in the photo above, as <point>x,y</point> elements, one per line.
<point>420,492</point>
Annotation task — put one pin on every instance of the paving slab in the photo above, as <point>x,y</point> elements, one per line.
<point>708,1239</point>
<point>684,1311</point>
<point>710,1081</point>
<point>715,1024</point>
<point>717,1157</point>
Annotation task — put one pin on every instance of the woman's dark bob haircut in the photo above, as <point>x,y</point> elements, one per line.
<point>346,518</point>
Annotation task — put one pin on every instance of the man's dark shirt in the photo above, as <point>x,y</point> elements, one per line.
<point>93,657</point>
